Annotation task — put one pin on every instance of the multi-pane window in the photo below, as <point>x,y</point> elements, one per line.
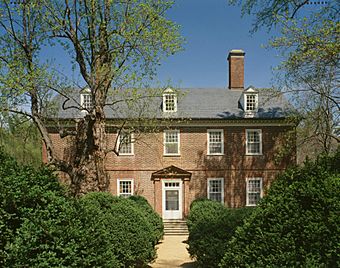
<point>251,102</point>
<point>215,141</point>
<point>253,141</point>
<point>87,101</point>
<point>254,191</point>
<point>216,189</point>
<point>125,187</point>
<point>125,143</point>
<point>169,102</point>
<point>171,142</point>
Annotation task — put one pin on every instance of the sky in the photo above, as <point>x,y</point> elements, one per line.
<point>212,28</point>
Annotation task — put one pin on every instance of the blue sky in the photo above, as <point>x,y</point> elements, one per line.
<point>212,28</point>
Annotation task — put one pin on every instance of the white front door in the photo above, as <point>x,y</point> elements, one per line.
<point>172,199</point>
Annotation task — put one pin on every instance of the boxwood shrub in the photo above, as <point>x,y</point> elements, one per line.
<point>210,225</point>
<point>152,216</point>
<point>41,226</point>
<point>297,224</point>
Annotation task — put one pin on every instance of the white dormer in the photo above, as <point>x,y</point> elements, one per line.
<point>169,101</point>
<point>250,101</point>
<point>86,99</point>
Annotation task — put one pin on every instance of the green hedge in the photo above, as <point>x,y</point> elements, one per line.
<point>41,226</point>
<point>120,229</point>
<point>296,225</point>
<point>151,215</point>
<point>210,225</point>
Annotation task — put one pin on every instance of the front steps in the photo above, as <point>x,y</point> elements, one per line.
<point>175,227</point>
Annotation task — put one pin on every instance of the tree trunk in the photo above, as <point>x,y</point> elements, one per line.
<point>88,172</point>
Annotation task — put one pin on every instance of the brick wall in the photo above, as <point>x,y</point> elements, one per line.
<point>234,166</point>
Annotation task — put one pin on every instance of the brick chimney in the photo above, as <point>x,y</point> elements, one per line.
<point>236,69</point>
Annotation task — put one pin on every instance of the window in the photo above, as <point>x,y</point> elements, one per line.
<point>251,102</point>
<point>216,189</point>
<point>86,101</point>
<point>253,142</point>
<point>215,141</point>
<point>169,101</point>
<point>171,142</point>
<point>254,191</point>
<point>125,187</point>
<point>125,144</point>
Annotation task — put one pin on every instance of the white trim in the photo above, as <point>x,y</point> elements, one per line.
<point>82,100</point>
<point>208,141</point>
<point>222,190</point>
<point>173,214</point>
<point>122,180</point>
<point>132,144</point>
<point>259,131</point>
<point>179,142</point>
<point>261,190</point>
<point>169,92</point>
<point>251,93</point>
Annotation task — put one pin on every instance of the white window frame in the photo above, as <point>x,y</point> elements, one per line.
<point>222,190</point>
<point>222,141</point>
<point>82,100</point>
<point>259,131</point>
<point>118,187</point>
<point>247,190</point>
<point>132,143</point>
<point>178,142</point>
<point>255,94</point>
<point>167,93</point>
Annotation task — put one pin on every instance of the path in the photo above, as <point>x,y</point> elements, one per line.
<point>172,252</point>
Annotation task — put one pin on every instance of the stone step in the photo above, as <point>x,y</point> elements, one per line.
<point>175,227</point>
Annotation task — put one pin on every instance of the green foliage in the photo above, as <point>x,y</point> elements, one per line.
<point>31,203</point>
<point>308,75</point>
<point>20,139</point>
<point>120,229</point>
<point>152,216</point>
<point>210,225</point>
<point>296,225</point>
<point>41,226</point>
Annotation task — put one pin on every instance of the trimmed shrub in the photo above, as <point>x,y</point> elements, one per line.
<point>296,225</point>
<point>119,227</point>
<point>151,215</point>
<point>23,192</point>
<point>210,225</point>
<point>41,226</point>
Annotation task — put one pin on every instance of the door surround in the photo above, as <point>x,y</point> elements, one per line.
<point>175,187</point>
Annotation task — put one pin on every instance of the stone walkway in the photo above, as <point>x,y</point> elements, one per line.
<point>172,252</point>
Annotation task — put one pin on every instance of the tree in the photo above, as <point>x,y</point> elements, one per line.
<point>309,43</point>
<point>19,138</point>
<point>114,44</point>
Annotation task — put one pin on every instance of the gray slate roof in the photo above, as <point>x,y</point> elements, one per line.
<point>194,103</point>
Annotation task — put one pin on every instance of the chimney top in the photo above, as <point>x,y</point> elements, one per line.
<point>236,52</point>
<point>236,69</point>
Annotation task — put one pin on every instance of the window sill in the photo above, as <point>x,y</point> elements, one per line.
<point>171,155</point>
<point>250,205</point>
<point>215,154</point>
<point>254,154</point>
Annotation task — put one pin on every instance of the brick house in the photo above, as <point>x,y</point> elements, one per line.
<point>223,146</point>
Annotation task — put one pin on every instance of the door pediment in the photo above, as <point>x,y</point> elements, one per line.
<point>171,172</point>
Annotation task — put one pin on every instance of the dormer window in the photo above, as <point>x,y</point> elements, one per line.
<point>169,101</point>
<point>86,101</point>
<point>251,102</point>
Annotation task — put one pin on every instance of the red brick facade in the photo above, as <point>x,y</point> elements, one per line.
<point>234,166</point>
